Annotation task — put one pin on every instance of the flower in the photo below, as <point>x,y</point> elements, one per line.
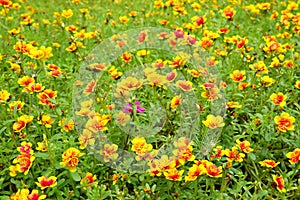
<point>22,122</point>
<point>16,105</point>
<point>140,146</point>
<point>66,125</point>
<point>213,171</point>
<point>175,102</point>
<point>278,99</point>
<point>268,163</point>
<point>24,194</point>
<point>127,57</point>
<point>46,121</point>
<point>24,162</point>
<point>45,182</point>
<point>122,118</point>
<point>67,13</point>
<point>294,156</point>
<point>244,146</point>
<point>156,79</point>
<point>238,76</point>
<point>297,84</point>
<point>213,121</point>
<point>234,155</point>
<point>4,95</point>
<point>109,152</point>
<point>86,138</point>
<point>267,81</point>
<point>25,148</point>
<point>185,85</point>
<point>195,171</point>
<point>285,122</point>
<point>279,182</point>
<point>173,174</point>
<point>97,123</point>
<point>130,83</point>
<point>89,180</point>
<point>124,19</point>
<point>42,146</point>
<point>157,166</point>
<point>70,158</point>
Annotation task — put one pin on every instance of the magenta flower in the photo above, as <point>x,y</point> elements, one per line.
<point>128,109</point>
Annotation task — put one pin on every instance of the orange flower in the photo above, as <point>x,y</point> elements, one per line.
<point>185,85</point>
<point>156,79</point>
<point>66,125</point>
<point>25,148</point>
<point>47,97</point>
<point>35,87</point>
<point>229,13</point>
<point>89,180</point>
<point>234,155</point>
<point>278,99</point>
<point>124,19</point>
<point>244,146</point>
<point>22,122</point>
<point>268,163</point>
<point>213,171</point>
<point>297,84</point>
<point>127,57</point>
<point>97,123</point>
<point>67,13</point>
<point>35,195</point>
<point>171,76</point>
<point>122,118</point>
<point>211,94</point>
<point>175,102</point>
<point>45,182</point>
<point>46,121</point>
<point>285,122</point>
<point>24,162</point>
<point>238,76</point>
<point>173,174</point>
<point>213,121</point>
<point>109,152</point>
<point>70,158</point>
<point>4,95</point>
<point>195,171</point>
<point>130,83</point>
<point>25,81</point>
<point>90,87</point>
<point>140,146</point>
<point>279,182</point>
<point>157,166</point>
<point>294,156</point>
<point>86,138</point>
<point>16,105</point>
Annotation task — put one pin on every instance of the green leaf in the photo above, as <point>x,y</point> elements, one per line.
<point>75,176</point>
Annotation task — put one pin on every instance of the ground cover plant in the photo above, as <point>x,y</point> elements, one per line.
<point>173,99</point>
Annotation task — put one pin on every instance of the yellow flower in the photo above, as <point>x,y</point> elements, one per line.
<point>285,122</point>
<point>46,121</point>
<point>4,95</point>
<point>45,182</point>
<point>238,76</point>
<point>140,146</point>
<point>175,102</point>
<point>67,13</point>
<point>268,163</point>
<point>278,99</point>
<point>213,122</point>
<point>70,158</point>
<point>66,125</point>
<point>267,81</point>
